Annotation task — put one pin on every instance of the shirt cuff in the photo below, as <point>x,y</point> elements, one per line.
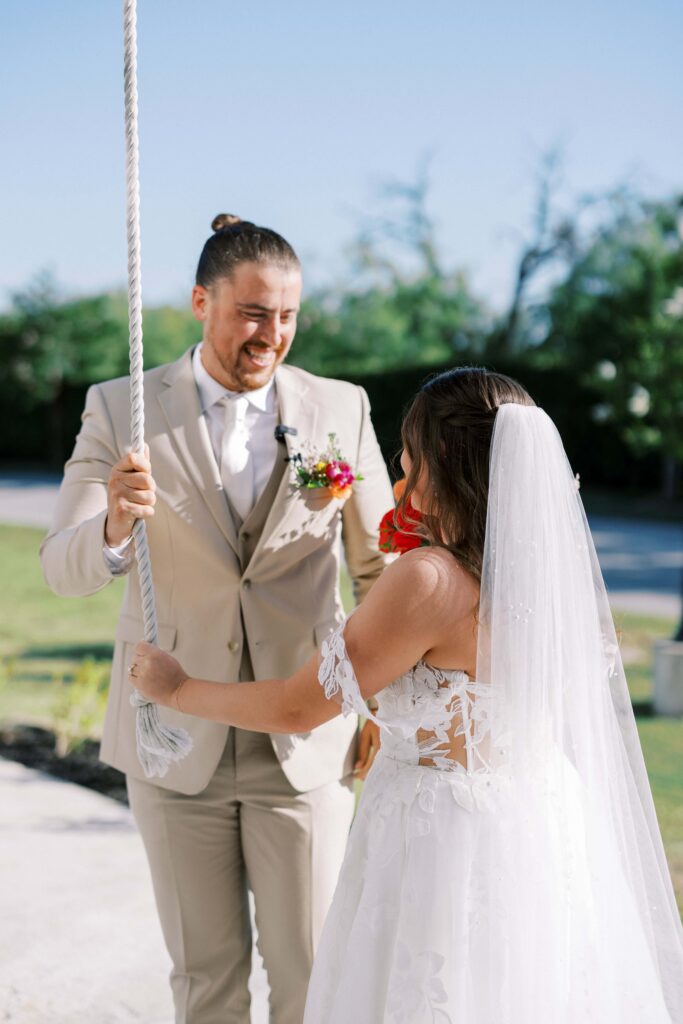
<point>119,560</point>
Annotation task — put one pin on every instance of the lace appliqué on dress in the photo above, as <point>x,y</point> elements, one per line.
<point>431,717</point>
<point>337,677</point>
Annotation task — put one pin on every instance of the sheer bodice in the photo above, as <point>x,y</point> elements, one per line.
<point>430,717</point>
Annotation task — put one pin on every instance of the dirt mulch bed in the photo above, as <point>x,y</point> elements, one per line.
<point>35,748</point>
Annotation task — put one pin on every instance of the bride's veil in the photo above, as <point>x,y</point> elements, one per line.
<point>575,868</point>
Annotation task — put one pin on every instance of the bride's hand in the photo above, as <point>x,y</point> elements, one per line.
<point>156,674</point>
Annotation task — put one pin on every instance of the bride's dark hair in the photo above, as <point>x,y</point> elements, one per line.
<point>447,430</point>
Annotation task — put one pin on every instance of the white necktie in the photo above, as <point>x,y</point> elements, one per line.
<point>237,470</point>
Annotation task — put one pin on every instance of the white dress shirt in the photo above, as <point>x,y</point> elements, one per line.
<point>260,421</point>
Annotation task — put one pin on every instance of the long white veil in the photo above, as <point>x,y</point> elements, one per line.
<point>575,869</point>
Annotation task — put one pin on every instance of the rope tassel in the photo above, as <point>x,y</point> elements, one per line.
<point>158,745</point>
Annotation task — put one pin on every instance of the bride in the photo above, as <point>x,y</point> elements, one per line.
<point>505,865</point>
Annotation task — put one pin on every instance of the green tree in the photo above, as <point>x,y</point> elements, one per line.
<point>167,331</point>
<point>550,243</point>
<point>47,342</point>
<point>405,309</point>
<point>618,320</point>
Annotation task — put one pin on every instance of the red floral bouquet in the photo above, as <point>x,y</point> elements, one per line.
<point>397,529</point>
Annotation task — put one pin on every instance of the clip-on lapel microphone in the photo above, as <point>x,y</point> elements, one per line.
<point>281,432</point>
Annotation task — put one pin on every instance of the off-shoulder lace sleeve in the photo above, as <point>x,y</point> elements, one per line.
<point>337,677</point>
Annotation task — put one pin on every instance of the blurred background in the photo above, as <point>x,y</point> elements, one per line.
<point>496,184</point>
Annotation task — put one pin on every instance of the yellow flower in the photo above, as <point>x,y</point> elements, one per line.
<point>320,466</point>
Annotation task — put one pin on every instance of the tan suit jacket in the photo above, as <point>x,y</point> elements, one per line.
<point>224,598</point>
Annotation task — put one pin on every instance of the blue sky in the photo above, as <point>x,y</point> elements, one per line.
<point>293,115</point>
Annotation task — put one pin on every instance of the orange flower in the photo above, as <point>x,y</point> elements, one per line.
<point>399,488</point>
<point>341,491</point>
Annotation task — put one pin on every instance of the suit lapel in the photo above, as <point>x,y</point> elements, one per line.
<point>179,401</point>
<point>295,412</point>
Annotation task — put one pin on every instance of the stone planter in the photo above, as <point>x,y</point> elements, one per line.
<point>668,677</point>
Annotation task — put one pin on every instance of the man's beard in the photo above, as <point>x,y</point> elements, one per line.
<point>250,377</point>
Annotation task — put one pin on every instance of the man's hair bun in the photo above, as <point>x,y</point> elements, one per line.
<point>224,220</point>
<point>236,241</point>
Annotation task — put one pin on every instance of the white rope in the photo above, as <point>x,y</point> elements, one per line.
<point>158,745</point>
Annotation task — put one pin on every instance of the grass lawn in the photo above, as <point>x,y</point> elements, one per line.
<point>660,738</point>
<point>44,638</point>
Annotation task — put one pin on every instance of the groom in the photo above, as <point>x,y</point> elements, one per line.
<point>246,573</point>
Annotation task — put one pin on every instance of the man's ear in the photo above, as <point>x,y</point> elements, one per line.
<point>200,301</point>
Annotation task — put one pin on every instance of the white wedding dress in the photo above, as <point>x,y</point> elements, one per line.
<point>419,931</point>
<point>505,865</point>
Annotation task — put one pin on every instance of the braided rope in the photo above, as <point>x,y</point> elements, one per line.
<point>158,745</point>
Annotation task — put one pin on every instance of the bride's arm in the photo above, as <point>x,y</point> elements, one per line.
<point>406,613</point>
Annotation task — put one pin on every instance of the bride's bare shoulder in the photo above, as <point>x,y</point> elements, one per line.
<point>414,604</point>
<point>433,576</point>
<point>433,561</point>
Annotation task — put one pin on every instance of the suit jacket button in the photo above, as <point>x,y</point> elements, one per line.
<point>233,646</point>
<point>246,584</point>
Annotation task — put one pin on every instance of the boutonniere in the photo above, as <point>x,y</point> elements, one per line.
<point>397,532</point>
<point>328,468</point>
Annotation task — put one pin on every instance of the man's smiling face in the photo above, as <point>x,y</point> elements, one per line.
<point>249,323</point>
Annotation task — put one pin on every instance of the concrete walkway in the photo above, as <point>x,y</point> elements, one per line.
<point>27,499</point>
<point>642,563</point>
<point>79,938</point>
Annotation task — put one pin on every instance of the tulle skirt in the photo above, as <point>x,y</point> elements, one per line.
<point>475,900</point>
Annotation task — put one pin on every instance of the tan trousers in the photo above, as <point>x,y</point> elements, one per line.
<point>249,827</point>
